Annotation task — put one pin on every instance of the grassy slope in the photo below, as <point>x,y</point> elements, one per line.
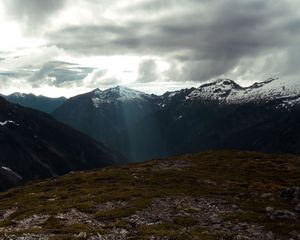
<point>237,177</point>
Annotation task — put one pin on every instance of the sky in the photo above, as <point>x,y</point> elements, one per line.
<point>67,47</point>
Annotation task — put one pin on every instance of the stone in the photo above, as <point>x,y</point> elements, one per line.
<point>235,207</point>
<point>291,194</point>
<point>266,195</point>
<point>215,219</point>
<point>297,208</point>
<point>270,236</point>
<point>281,214</point>
<point>269,209</point>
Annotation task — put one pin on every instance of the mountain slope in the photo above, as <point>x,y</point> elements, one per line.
<point>41,103</point>
<point>219,115</point>
<point>102,114</point>
<point>34,145</point>
<point>211,195</point>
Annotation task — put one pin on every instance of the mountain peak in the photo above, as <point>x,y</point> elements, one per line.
<point>97,91</point>
<point>218,90</point>
<point>122,90</point>
<point>225,83</point>
<point>18,95</point>
<point>116,94</point>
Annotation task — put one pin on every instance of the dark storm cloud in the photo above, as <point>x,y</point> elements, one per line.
<point>58,73</point>
<point>32,13</point>
<point>209,37</point>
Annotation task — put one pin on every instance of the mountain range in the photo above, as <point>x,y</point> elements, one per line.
<point>40,102</point>
<point>220,115</point>
<point>124,122</point>
<point>34,145</point>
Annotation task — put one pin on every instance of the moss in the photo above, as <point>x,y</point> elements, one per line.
<point>113,214</point>
<point>161,230</point>
<point>185,221</point>
<point>215,174</point>
<point>203,234</point>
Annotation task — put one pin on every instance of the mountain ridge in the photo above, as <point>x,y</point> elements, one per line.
<point>39,102</point>
<point>34,145</point>
<point>189,120</point>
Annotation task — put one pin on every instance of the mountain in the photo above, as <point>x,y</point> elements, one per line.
<point>41,103</point>
<point>34,145</point>
<point>209,195</point>
<point>226,90</point>
<point>102,114</point>
<point>218,115</point>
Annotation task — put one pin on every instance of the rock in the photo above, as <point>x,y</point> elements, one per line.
<point>297,208</point>
<point>81,235</point>
<point>293,234</point>
<point>270,236</point>
<point>235,207</point>
<point>215,219</point>
<point>269,209</point>
<point>241,237</point>
<point>216,226</point>
<point>236,228</point>
<point>266,195</point>
<point>291,194</point>
<point>281,214</point>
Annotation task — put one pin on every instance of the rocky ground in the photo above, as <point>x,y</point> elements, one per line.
<point>214,195</point>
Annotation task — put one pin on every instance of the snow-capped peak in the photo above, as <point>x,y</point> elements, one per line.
<point>97,91</point>
<point>226,90</point>
<point>116,94</point>
<point>18,95</point>
<point>219,90</point>
<point>124,93</point>
<point>272,88</point>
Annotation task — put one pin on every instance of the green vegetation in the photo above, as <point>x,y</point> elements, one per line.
<point>236,177</point>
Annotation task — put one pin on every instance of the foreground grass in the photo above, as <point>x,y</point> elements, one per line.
<point>237,177</point>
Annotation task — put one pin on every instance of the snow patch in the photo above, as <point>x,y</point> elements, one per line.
<point>6,168</point>
<point>18,95</point>
<point>12,172</point>
<point>8,122</point>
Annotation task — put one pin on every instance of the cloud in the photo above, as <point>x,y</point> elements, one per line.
<point>30,66</point>
<point>100,78</point>
<point>32,13</point>
<point>147,71</point>
<point>210,38</point>
<point>199,40</point>
<point>57,73</point>
<point>33,57</point>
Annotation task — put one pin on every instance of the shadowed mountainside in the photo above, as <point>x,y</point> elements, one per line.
<point>34,145</point>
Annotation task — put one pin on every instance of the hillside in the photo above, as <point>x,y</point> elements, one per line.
<point>34,145</point>
<point>211,195</point>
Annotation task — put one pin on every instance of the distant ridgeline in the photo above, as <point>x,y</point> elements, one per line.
<point>41,103</point>
<point>219,115</point>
